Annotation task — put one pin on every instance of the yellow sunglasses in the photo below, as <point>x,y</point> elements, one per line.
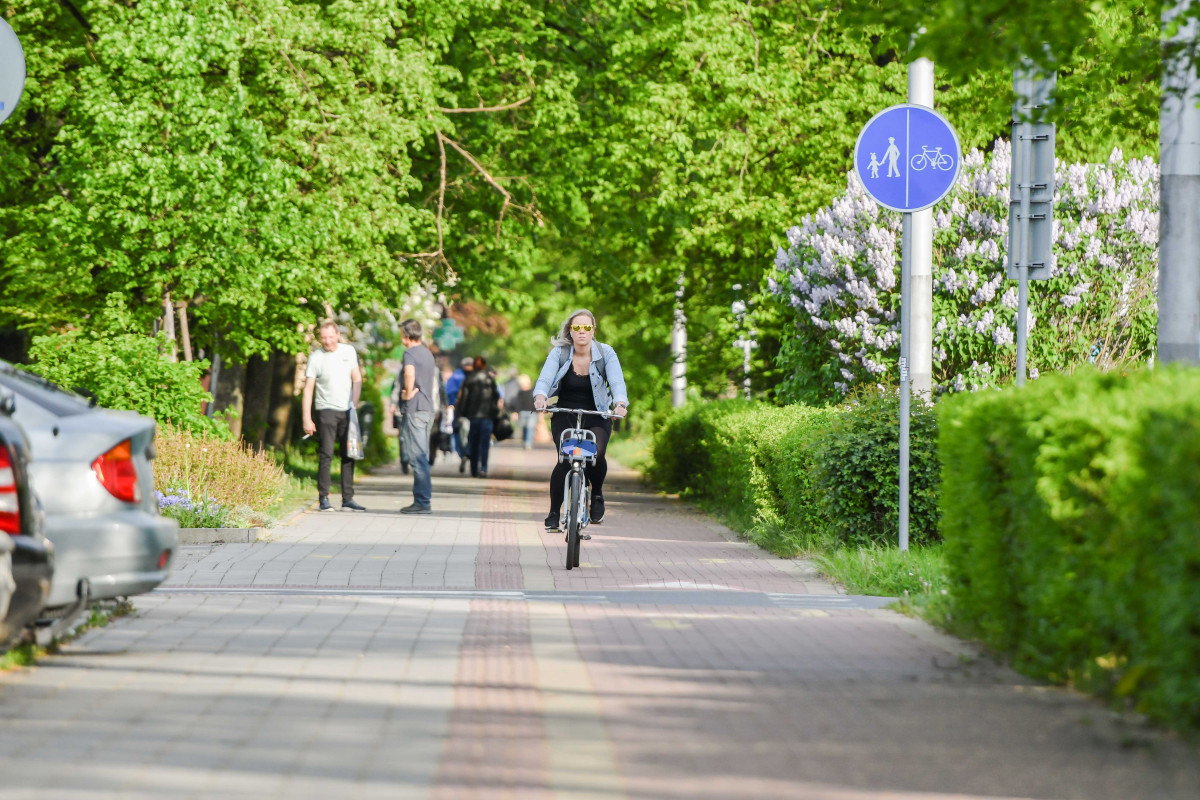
<point>581,328</point>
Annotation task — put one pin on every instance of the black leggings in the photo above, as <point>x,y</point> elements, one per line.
<point>595,473</point>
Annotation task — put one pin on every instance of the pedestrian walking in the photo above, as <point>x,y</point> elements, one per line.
<point>511,388</point>
<point>332,385</point>
<point>418,396</point>
<point>453,385</point>
<point>479,401</point>
<point>526,418</point>
<point>584,374</point>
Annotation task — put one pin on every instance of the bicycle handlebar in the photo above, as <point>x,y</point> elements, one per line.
<point>557,410</point>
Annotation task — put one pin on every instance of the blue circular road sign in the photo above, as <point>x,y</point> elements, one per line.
<point>908,157</point>
<point>12,70</point>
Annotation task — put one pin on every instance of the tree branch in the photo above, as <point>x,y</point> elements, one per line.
<point>486,109</point>
<point>439,255</point>
<point>487,176</point>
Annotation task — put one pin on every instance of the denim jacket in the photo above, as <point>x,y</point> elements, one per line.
<point>556,367</point>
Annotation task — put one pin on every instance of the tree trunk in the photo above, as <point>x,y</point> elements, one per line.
<point>258,402</point>
<point>679,350</point>
<point>183,332</point>
<point>168,320</point>
<point>230,395</point>
<point>279,415</point>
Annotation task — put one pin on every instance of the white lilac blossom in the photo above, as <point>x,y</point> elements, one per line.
<point>840,274</point>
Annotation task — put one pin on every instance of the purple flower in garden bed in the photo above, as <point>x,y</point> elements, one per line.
<point>181,499</point>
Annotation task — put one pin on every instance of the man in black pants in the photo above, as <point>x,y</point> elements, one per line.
<point>334,375</point>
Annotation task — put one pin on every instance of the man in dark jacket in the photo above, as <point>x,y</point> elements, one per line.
<point>479,401</point>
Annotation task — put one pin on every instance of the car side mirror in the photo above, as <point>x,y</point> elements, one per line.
<point>8,404</point>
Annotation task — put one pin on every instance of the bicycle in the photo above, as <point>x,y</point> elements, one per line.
<point>932,158</point>
<point>578,446</point>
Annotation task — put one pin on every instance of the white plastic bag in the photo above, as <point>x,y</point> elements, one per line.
<point>354,446</point>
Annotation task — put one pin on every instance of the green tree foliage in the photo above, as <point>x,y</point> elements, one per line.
<point>1107,53</point>
<point>128,370</point>
<point>258,159</point>
<point>707,126</point>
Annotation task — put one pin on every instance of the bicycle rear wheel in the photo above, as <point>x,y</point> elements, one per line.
<point>574,521</point>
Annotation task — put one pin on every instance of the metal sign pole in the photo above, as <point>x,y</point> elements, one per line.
<point>908,157</point>
<point>1025,249</point>
<point>905,393</point>
<point>916,300</point>
<point>1031,195</point>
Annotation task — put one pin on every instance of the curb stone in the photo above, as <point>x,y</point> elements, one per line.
<point>217,535</point>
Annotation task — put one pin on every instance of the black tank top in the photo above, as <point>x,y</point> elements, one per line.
<point>575,391</point>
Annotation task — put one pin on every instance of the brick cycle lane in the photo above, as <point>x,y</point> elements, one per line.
<point>375,655</point>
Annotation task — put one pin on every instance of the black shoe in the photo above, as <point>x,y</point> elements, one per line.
<point>462,465</point>
<point>351,505</point>
<point>596,512</point>
<point>482,473</point>
<point>552,524</point>
<point>416,509</point>
<point>325,506</point>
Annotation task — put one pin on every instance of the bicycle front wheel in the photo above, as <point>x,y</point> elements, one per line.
<point>574,520</point>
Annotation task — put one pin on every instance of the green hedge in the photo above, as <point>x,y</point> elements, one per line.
<point>779,473</point>
<point>858,472</point>
<point>1071,511</point>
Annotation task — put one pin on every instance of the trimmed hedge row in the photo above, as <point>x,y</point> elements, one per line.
<point>1072,530</point>
<point>783,472</point>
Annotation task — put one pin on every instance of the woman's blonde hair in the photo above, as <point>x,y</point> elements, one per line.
<point>563,337</point>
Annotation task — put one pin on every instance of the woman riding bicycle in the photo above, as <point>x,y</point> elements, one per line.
<point>584,374</point>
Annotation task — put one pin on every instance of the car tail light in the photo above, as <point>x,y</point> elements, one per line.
<point>10,508</point>
<point>117,473</point>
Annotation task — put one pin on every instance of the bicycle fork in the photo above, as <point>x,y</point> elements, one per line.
<point>585,499</point>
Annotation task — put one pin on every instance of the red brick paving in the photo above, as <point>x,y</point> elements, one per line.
<point>496,745</point>
<point>498,565</point>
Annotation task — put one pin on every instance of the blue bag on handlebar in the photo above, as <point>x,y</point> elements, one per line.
<point>576,447</point>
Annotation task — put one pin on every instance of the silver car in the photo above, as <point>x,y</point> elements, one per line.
<point>91,468</point>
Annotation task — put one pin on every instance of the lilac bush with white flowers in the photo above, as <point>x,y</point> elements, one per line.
<point>840,279</point>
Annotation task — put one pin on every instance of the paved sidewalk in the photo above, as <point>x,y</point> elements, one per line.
<point>365,655</point>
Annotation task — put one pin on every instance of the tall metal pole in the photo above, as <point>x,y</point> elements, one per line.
<point>920,92</point>
<point>1179,196</point>
<point>905,347</point>
<point>916,300</point>
<point>1024,141</point>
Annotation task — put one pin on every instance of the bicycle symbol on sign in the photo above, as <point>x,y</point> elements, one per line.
<point>932,158</point>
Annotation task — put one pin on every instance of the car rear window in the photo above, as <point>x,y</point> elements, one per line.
<point>41,392</point>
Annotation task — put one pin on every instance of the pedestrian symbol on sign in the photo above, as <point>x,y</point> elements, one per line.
<point>892,154</point>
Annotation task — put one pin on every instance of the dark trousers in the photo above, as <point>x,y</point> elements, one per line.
<point>479,441</point>
<point>459,448</point>
<point>594,473</point>
<point>332,426</point>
